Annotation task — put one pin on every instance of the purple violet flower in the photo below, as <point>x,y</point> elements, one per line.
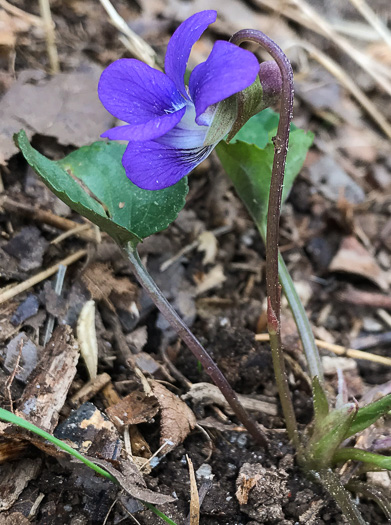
<point>168,123</point>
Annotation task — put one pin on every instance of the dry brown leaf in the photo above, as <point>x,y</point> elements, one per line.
<point>132,482</point>
<point>137,407</point>
<point>66,107</point>
<point>177,420</point>
<point>102,284</point>
<point>352,257</point>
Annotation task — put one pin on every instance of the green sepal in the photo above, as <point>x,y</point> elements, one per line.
<point>249,103</point>
<point>223,120</point>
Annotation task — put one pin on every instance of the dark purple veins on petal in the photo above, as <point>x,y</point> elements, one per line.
<point>154,166</point>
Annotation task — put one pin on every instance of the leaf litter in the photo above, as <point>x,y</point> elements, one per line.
<point>360,175</point>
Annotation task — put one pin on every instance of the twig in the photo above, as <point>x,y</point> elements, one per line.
<point>57,289</point>
<point>32,281</point>
<point>46,217</point>
<point>11,378</point>
<point>134,43</point>
<point>77,229</point>
<point>341,350</point>
<point>189,247</point>
<point>28,17</point>
<point>371,17</point>
<point>89,390</point>
<point>44,6</point>
<point>360,298</point>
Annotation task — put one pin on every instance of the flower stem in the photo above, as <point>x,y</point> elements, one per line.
<point>194,345</point>
<point>273,219</point>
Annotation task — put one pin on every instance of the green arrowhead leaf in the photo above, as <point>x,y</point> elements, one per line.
<point>248,161</point>
<point>369,414</point>
<point>92,181</point>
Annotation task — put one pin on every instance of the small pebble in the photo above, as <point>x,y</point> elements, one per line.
<point>204,472</point>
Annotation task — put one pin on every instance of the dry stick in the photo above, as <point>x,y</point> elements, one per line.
<point>337,71</point>
<point>341,350</point>
<point>371,17</point>
<point>46,217</point>
<point>46,15</point>
<point>32,281</point>
<point>273,221</point>
<point>133,42</point>
<point>28,17</point>
<point>193,344</point>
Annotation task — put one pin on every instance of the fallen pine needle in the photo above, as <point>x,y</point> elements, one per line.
<point>194,515</point>
<point>342,350</point>
<point>46,15</point>
<point>9,293</point>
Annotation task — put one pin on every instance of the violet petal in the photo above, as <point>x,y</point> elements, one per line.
<point>228,70</point>
<point>154,166</point>
<point>146,98</point>
<point>180,44</point>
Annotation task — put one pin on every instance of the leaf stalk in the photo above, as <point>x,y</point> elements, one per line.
<point>193,344</point>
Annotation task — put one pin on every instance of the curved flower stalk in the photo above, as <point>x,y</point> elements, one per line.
<point>173,127</point>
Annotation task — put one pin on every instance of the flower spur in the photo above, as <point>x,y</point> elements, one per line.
<point>169,124</point>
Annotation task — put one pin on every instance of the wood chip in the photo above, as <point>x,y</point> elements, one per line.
<point>90,389</point>
<point>15,478</point>
<point>48,386</point>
